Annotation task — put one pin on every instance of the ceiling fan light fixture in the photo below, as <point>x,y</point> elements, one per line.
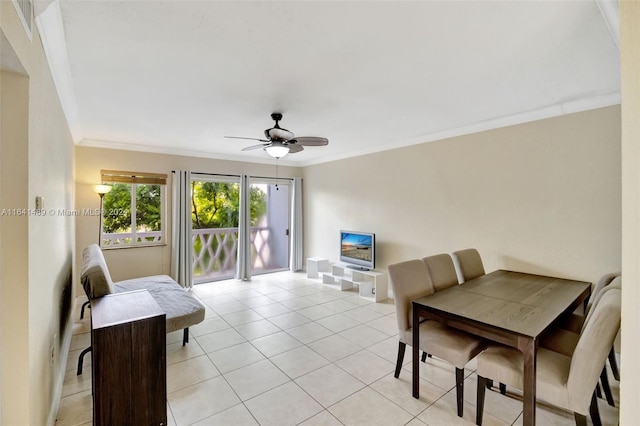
<point>280,142</point>
<point>277,150</point>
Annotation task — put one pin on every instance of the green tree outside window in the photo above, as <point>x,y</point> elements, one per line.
<point>117,211</point>
<point>217,204</point>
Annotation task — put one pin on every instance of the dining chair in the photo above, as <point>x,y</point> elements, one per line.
<point>442,271</point>
<point>565,381</point>
<point>469,263</point>
<point>410,280</point>
<point>562,339</point>
<point>574,321</point>
<point>616,282</point>
<point>559,338</point>
<point>443,275</point>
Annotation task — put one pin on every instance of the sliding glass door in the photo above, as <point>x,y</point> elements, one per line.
<point>215,207</point>
<point>270,219</point>
<point>215,204</point>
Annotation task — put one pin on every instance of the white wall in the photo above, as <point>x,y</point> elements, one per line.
<point>128,263</point>
<point>541,197</point>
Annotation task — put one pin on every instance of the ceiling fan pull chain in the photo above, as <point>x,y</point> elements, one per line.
<point>277,189</point>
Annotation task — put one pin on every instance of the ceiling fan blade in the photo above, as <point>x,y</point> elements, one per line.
<point>310,141</point>
<point>249,139</point>
<point>295,147</point>
<point>252,147</point>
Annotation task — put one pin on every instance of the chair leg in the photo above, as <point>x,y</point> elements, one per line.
<point>598,391</point>
<point>425,356</point>
<point>593,411</point>
<point>483,384</point>
<point>401,347</point>
<point>489,383</point>
<point>185,336</point>
<point>460,390</point>
<point>605,387</point>
<point>84,305</point>
<point>614,364</point>
<point>81,360</point>
<point>503,389</point>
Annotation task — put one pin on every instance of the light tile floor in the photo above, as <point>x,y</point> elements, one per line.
<point>284,350</point>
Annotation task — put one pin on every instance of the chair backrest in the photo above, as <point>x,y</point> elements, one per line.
<point>616,283</point>
<point>94,275</point>
<point>470,263</point>
<point>442,271</point>
<point>604,281</point>
<point>592,349</point>
<point>410,280</point>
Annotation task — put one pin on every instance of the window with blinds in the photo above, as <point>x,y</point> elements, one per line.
<point>133,210</point>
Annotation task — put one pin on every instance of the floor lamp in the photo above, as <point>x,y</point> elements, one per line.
<point>101,190</point>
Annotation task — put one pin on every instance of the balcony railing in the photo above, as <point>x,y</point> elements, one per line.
<point>125,239</point>
<point>214,250</point>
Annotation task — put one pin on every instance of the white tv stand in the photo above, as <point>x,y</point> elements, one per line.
<point>371,285</point>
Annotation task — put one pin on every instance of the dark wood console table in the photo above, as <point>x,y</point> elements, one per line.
<point>129,360</point>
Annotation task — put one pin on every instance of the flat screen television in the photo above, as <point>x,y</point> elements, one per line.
<point>358,249</point>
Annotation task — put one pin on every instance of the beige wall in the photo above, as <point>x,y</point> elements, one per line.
<point>542,197</point>
<point>630,88</point>
<point>14,296</point>
<point>136,262</point>
<point>36,252</point>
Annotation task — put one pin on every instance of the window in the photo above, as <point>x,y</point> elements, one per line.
<point>133,211</point>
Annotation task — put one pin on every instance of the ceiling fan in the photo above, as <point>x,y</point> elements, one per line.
<point>280,142</point>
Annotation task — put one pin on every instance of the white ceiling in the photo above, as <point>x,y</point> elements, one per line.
<point>177,76</point>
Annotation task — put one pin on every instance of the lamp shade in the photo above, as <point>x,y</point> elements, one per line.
<point>277,150</point>
<point>101,189</point>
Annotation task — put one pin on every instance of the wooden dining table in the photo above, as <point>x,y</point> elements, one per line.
<point>512,308</point>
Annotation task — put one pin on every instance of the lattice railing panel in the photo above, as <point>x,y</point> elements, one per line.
<point>125,239</point>
<point>215,252</point>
